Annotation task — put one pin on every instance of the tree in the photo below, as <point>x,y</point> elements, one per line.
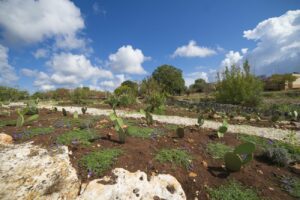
<point>239,86</point>
<point>170,78</point>
<point>131,84</point>
<point>148,86</point>
<point>198,86</point>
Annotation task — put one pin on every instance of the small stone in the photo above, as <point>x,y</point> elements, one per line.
<point>70,153</point>
<point>194,180</point>
<point>204,163</point>
<point>5,139</point>
<point>192,174</point>
<point>98,145</point>
<point>270,188</point>
<point>190,140</point>
<point>260,172</point>
<point>104,121</point>
<point>175,141</point>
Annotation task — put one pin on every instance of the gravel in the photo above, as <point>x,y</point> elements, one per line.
<point>272,133</point>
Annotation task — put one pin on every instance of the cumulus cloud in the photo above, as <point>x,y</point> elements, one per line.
<point>29,72</point>
<point>128,60</point>
<point>114,83</point>
<point>31,21</point>
<point>278,47</point>
<point>41,53</point>
<point>232,58</point>
<point>208,76</point>
<point>193,50</point>
<point>7,72</point>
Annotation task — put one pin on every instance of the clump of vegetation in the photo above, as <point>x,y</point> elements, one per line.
<point>83,137</point>
<point>237,86</point>
<point>29,133</point>
<point>32,107</point>
<point>233,190</point>
<point>222,129</point>
<point>278,156</point>
<point>21,120</point>
<point>200,120</point>
<point>64,112</point>
<point>174,156</point>
<point>83,110</point>
<point>7,123</point>
<point>142,132</point>
<point>218,150</point>
<point>75,115</point>
<point>241,155</point>
<point>100,161</point>
<point>291,185</point>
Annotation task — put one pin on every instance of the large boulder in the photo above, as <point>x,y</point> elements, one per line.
<point>31,172</point>
<point>5,139</point>
<point>124,185</point>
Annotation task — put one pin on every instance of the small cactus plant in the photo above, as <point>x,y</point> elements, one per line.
<point>200,120</point>
<point>180,132</point>
<point>148,116</point>
<point>222,129</point>
<point>75,115</point>
<point>120,127</point>
<point>83,110</point>
<point>64,112</point>
<point>21,120</point>
<point>241,155</point>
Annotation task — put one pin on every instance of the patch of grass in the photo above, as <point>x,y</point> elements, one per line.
<point>232,191</point>
<point>218,150</point>
<point>291,185</point>
<point>171,127</point>
<point>293,150</point>
<point>174,156</point>
<point>29,133</point>
<point>100,161</point>
<point>142,132</point>
<point>76,137</point>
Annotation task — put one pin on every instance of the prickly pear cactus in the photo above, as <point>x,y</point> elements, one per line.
<point>20,120</point>
<point>222,129</point>
<point>200,120</point>
<point>180,132</point>
<point>233,162</point>
<point>64,112</point>
<point>245,151</point>
<point>75,115</point>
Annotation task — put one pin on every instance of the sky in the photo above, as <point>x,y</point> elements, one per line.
<point>101,43</point>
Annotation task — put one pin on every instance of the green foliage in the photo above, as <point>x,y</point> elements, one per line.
<point>120,127</point>
<point>218,150</point>
<point>100,161</point>
<point>155,101</point>
<point>79,94</point>
<point>12,94</point>
<point>170,78</point>
<point>148,86</point>
<point>7,123</point>
<point>83,137</point>
<point>222,129</point>
<point>174,156</point>
<point>180,132</point>
<point>113,101</point>
<point>127,93</point>
<point>21,119</point>
<point>31,107</point>
<point>232,191</point>
<point>200,120</point>
<point>142,132</point>
<point>236,86</point>
<point>29,133</point>
<point>278,156</point>
<point>241,155</point>
<point>75,115</point>
<point>148,116</point>
<point>133,85</point>
<point>198,86</point>
<point>291,185</point>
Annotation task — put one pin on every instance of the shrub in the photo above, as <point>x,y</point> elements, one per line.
<point>174,156</point>
<point>76,137</point>
<point>237,86</point>
<point>143,132</point>
<point>232,191</point>
<point>278,156</point>
<point>100,161</point>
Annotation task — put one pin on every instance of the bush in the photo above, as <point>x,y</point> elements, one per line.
<point>237,86</point>
<point>278,156</point>
<point>127,95</point>
<point>156,101</point>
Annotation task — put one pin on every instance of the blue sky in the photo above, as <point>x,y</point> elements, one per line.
<point>100,43</point>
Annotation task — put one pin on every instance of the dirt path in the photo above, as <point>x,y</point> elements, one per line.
<point>271,133</point>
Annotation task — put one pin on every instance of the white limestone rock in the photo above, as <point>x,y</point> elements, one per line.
<point>31,172</point>
<point>133,186</point>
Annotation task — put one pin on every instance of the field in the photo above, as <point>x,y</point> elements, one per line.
<point>196,160</point>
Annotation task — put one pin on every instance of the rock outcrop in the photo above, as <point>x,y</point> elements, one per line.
<point>125,185</point>
<point>31,172</point>
<point>5,139</point>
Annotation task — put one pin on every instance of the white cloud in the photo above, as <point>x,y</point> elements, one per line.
<point>191,77</point>
<point>232,58</point>
<point>193,50</point>
<point>278,46</point>
<point>31,21</point>
<point>128,60</point>
<point>97,10</point>
<point>7,72</point>
<point>29,72</point>
<point>114,83</point>
<point>41,53</point>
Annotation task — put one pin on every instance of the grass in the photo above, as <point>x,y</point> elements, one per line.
<point>171,127</point>
<point>7,123</point>
<point>174,156</point>
<point>76,136</point>
<point>29,133</point>
<point>142,132</point>
<point>291,185</point>
<point>232,191</point>
<point>100,161</point>
<point>218,150</point>
<point>294,150</point>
